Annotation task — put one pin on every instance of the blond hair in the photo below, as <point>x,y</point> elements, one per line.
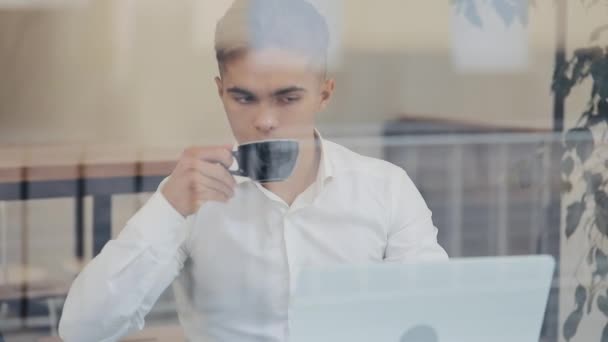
<point>294,25</point>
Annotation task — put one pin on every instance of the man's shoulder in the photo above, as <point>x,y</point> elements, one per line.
<point>347,161</point>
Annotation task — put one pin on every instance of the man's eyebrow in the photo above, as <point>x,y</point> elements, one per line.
<point>288,90</point>
<point>240,91</point>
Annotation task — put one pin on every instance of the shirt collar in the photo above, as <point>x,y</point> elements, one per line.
<point>324,173</point>
<point>325,167</point>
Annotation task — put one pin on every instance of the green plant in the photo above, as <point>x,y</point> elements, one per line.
<point>586,160</point>
<point>508,10</point>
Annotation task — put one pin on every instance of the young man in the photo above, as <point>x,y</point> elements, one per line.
<point>234,246</point>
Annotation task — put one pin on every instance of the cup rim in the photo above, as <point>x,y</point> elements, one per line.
<point>267,140</point>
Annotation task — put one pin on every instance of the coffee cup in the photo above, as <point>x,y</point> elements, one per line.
<point>266,160</point>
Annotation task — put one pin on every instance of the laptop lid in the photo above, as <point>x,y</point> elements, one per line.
<point>469,299</point>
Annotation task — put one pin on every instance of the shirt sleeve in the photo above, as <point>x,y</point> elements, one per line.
<point>115,291</point>
<point>412,236</point>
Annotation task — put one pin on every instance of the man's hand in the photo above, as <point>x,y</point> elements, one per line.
<point>201,175</point>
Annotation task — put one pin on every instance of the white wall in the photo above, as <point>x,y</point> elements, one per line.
<point>141,71</point>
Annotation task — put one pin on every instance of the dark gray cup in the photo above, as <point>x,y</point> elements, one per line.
<point>266,161</point>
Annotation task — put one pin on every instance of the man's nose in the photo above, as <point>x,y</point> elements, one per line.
<point>266,121</point>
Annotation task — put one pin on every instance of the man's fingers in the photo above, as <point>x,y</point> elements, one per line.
<point>221,155</point>
<point>210,169</point>
<point>210,183</point>
<point>218,172</point>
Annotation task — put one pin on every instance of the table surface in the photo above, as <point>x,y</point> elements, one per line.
<point>47,289</point>
<point>170,333</point>
<point>61,162</point>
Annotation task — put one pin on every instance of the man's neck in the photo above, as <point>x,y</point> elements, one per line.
<point>304,174</point>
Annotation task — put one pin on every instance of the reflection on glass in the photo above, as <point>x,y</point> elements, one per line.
<point>424,128</point>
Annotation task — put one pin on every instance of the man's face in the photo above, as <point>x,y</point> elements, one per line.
<point>272,94</point>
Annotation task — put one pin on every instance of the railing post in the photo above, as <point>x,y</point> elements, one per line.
<point>456,191</point>
<point>102,222</point>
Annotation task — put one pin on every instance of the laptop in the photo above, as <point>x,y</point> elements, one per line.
<point>470,299</point>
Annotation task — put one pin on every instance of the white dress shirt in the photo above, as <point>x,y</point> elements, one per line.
<point>234,265</point>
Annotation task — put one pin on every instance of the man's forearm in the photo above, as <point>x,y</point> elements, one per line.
<point>112,295</point>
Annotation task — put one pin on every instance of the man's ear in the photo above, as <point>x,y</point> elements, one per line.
<point>327,90</point>
<point>220,86</point>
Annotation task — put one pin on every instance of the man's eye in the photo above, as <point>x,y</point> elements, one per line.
<point>289,99</point>
<point>244,99</point>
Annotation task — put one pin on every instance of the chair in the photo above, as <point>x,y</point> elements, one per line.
<point>24,283</point>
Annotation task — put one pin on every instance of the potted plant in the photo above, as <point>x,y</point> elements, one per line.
<point>584,163</point>
<point>585,177</point>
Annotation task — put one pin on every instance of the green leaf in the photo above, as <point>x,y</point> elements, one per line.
<point>589,53</point>
<point>602,304</point>
<point>581,67</point>
<point>599,72</point>
<point>594,120</point>
<point>601,212</point>
<point>561,85</point>
<point>581,140</point>
<point>471,13</point>
<point>605,333</point>
<point>572,137</point>
<point>574,212</point>
<point>574,318</point>
<point>566,186</point>
<point>571,324</point>
<point>590,302</point>
<point>601,116</point>
<point>602,109</point>
<point>567,166</point>
<point>601,261</point>
<point>603,89</point>
<point>457,4</point>
<point>506,10</point>
<point>585,148</point>
<point>590,256</point>
<point>580,296</point>
<point>594,181</point>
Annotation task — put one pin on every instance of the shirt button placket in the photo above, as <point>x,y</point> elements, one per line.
<point>290,253</point>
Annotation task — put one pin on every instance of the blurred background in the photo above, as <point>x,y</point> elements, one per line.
<point>474,98</point>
